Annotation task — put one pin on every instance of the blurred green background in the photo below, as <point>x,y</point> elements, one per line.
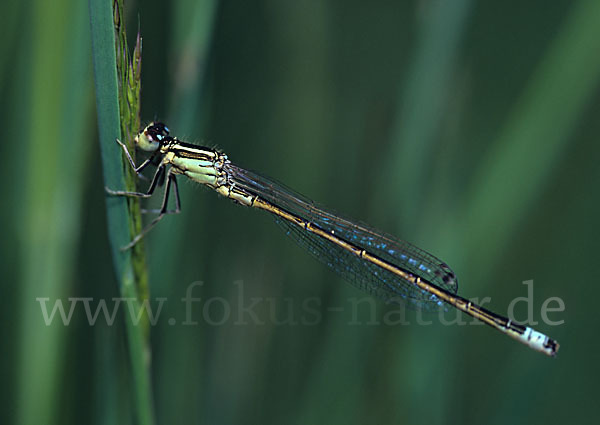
<point>468,128</point>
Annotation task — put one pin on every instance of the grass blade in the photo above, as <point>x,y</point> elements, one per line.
<point>119,225</point>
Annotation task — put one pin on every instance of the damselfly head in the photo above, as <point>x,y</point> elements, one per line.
<point>151,137</point>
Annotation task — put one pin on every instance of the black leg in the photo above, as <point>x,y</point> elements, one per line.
<point>171,180</point>
<point>177,210</point>
<point>157,175</point>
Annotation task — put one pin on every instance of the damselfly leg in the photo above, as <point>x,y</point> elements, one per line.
<point>156,181</point>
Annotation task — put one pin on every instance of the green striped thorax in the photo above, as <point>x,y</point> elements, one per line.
<point>201,164</point>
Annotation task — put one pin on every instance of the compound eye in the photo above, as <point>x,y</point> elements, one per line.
<point>159,130</point>
<point>155,132</point>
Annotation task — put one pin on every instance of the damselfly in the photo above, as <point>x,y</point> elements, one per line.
<point>383,265</point>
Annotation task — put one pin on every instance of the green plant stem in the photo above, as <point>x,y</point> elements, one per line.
<point>119,225</point>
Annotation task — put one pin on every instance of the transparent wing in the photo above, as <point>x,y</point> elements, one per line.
<point>362,274</point>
